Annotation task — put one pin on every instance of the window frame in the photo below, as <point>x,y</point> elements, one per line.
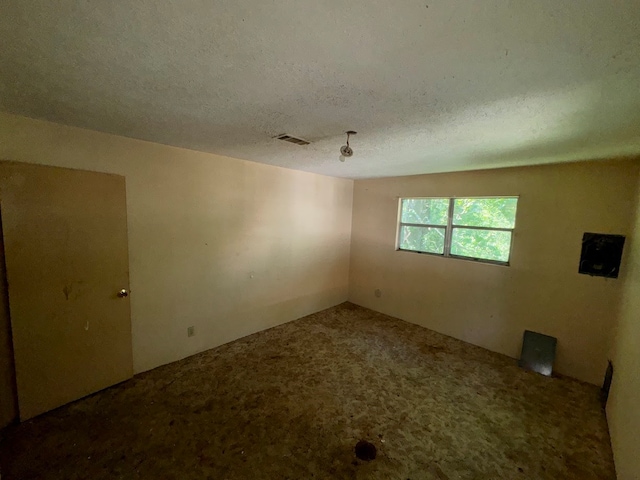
<point>449,227</point>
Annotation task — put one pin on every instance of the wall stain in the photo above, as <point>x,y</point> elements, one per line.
<point>73,290</point>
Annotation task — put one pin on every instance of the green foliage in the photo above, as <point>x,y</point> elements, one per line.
<point>466,242</point>
<point>485,244</point>
<point>422,239</point>
<point>430,211</point>
<point>485,212</point>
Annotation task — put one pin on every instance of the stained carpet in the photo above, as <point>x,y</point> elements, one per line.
<point>292,402</point>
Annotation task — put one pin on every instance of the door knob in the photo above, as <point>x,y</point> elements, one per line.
<point>123,293</point>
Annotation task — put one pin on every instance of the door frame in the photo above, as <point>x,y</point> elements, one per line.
<point>9,410</point>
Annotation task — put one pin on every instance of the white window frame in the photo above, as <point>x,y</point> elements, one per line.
<point>448,229</point>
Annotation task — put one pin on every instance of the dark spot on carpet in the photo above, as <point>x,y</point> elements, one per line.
<point>365,451</point>
<point>432,349</point>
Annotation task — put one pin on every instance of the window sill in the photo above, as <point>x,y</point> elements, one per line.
<point>457,257</point>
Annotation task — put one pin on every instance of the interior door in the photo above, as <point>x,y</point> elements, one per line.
<point>65,240</point>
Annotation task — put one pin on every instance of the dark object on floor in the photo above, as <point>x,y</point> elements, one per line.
<point>601,255</point>
<point>538,352</point>
<point>606,386</point>
<point>365,451</point>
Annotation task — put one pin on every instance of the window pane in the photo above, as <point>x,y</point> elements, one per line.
<point>485,212</point>
<point>433,211</point>
<point>422,239</point>
<point>484,244</point>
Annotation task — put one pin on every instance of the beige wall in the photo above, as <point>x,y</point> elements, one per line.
<point>623,407</point>
<point>228,246</point>
<point>490,305</point>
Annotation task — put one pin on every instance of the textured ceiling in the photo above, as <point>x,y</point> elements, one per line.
<point>430,85</point>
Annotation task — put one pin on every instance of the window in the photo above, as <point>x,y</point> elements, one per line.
<point>472,228</point>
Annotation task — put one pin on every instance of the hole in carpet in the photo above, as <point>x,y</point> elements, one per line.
<point>365,451</point>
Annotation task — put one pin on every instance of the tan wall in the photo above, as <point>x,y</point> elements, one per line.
<point>228,246</point>
<point>490,305</point>
<point>623,407</point>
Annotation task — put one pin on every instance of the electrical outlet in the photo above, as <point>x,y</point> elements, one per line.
<point>191,331</point>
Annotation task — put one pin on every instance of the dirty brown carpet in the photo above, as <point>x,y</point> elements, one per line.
<point>293,401</point>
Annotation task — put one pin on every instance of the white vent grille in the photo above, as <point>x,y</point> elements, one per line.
<point>291,139</point>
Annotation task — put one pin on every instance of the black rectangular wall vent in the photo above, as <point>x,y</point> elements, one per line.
<point>291,139</point>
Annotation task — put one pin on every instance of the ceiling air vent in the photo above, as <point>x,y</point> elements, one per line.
<point>292,139</point>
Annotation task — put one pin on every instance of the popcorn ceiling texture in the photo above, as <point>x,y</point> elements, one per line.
<point>430,86</point>
<point>292,402</point>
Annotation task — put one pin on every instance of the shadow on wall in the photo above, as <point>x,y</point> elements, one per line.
<point>276,250</point>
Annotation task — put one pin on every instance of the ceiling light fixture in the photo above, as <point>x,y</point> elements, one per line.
<point>346,150</point>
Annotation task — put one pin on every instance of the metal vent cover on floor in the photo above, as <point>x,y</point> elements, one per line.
<point>291,139</point>
<point>538,352</point>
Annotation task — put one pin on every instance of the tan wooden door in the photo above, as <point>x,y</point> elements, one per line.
<point>65,240</point>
